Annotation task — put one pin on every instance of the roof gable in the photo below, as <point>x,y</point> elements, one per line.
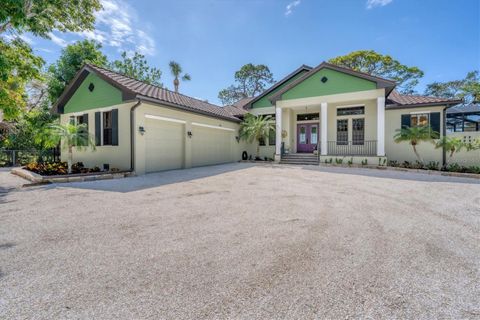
<point>326,79</point>
<point>93,92</point>
<point>263,100</point>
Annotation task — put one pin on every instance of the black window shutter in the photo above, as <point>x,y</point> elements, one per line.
<point>405,120</point>
<point>435,121</point>
<point>115,127</point>
<point>98,128</point>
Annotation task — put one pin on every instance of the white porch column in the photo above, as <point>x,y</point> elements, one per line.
<point>278,133</point>
<point>324,130</point>
<point>381,126</point>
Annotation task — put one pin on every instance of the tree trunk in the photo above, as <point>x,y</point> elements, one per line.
<point>176,83</point>
<point>417,154</point>
<point>70,159</point>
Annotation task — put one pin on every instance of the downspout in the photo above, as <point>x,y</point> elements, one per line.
<point>444,132</point>
<point>132,135</point>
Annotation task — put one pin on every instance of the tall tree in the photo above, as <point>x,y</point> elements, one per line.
<point>72,58</point>
<point>250,81</point>
<point>137,67</point>
<point>467,88</point>
<point>176,71</point>
<point>18,67</point>
<point>384,66</point>
<point>42,16</point>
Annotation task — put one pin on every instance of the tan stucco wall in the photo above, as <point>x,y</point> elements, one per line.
<point>116,156</point>
<point>164,111</point>
<point>464,157</point>
<point>403,151</point>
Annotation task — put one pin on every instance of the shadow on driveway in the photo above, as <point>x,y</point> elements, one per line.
<point>396,175</point>
<point>157,179</point>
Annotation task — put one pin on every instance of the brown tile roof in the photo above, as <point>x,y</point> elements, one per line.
<point>396,99</point>
<point>235,111</point>
<point>242,103</point>
<point>163,95</point>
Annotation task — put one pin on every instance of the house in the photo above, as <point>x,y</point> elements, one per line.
<point>329,110</point>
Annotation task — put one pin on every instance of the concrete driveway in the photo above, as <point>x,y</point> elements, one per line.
<point>241,241</point>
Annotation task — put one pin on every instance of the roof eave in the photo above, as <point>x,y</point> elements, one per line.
<point>448,104</point>
<point>178,106</point>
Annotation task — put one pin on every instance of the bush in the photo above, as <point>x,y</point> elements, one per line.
<point>393,163</point>
<point>433,165</point>
<point>364,162</point>
<point>338,160</point>
<point>59,168</point>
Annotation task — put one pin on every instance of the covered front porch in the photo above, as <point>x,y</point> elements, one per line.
<point>345,125</point>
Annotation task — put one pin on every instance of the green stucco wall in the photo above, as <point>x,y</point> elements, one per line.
<point>103,95</point>
<point>338,82</point>
<point>264,102</point>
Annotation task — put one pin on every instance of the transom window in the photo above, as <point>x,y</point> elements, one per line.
<point>308,116</point>
<point>107,128</point>
<point>419,120</point>
<point>351,111</point>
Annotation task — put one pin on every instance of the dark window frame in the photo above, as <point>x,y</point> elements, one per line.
<point>342,133</point>
<point>272,137</point>
<point>107,119</point>
<point>358,136</point>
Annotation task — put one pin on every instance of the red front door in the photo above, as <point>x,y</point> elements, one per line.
<point>307,137</point>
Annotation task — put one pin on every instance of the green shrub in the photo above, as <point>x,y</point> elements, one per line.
<point>393,163</point>
<point>433,165</point>
<point>364,162</point>
<point>350,162</point>
<point>338,160</point>
<point>474,169</point>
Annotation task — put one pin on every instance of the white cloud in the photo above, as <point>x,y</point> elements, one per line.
<point>116,26</point>
<point>291,6</point>
<point>377,3</point>
<point>57,40</point>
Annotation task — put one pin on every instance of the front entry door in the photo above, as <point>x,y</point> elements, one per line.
<point>307,137</point>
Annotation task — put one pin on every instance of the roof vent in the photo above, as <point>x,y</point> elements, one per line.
<point>91,86</point>
<point>324,79</point>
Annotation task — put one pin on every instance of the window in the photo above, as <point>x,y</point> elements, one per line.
<point>342,132</point>
<point>303,135</point>
<point>308,116</point>
<point>107,128</point>
<point>350,111</point>
<point>261,141</point>
<point>271,137</point>
<point>460,122</point>
<point>314,135</point>
<point>358,131</point>
<point>419,120</point>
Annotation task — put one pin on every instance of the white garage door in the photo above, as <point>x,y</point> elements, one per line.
<point>164,145</point>
<point>211,146</point>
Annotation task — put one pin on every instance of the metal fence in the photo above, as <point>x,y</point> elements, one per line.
<point>352,148</point>
<point>12,158</point>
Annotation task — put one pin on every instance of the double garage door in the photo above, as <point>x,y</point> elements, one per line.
<point>166,150</point>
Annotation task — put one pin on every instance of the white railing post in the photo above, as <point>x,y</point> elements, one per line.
<point>381,126</point>
<point>324,130</point>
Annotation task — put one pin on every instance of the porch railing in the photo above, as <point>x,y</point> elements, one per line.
<point>352,148</point>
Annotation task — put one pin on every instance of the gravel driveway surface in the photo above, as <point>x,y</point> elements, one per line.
<point>240,241</point>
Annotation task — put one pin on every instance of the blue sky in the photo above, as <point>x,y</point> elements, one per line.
<point>212,39</point>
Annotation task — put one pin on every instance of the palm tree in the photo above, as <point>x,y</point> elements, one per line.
<point>256,128</point>
<point>414,135</point>
<point>73,135</point>
<point>452,144</point>
<point>176,71</point>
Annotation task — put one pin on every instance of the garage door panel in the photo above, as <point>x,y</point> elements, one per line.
<point>164,145</point>
<point>211,146</point>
